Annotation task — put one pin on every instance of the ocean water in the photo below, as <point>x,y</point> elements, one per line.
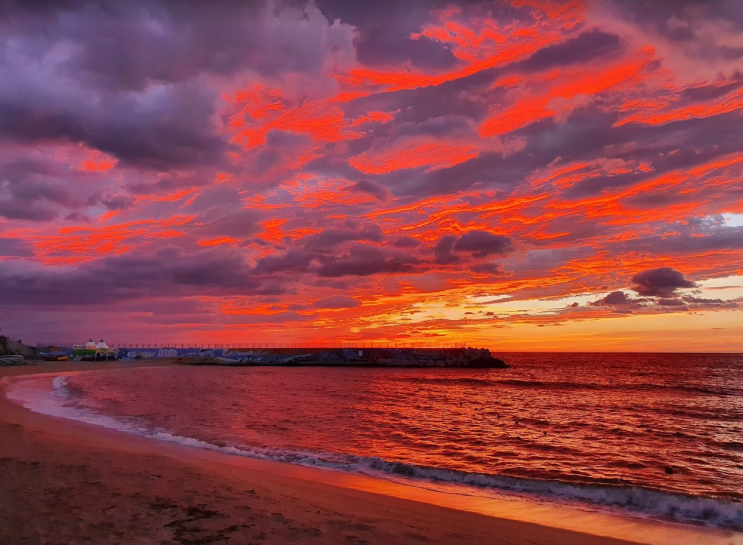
<point>657,435</point>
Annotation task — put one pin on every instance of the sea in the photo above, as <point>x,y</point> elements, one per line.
<point>652,435</point>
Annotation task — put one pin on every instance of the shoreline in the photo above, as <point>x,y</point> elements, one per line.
<point>288,503</point>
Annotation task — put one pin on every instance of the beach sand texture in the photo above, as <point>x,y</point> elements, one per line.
<point>68,482</point>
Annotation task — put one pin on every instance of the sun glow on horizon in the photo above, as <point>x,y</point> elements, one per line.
<point>507,173</point>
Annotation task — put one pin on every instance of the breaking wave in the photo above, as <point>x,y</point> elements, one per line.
<point>644,501</point>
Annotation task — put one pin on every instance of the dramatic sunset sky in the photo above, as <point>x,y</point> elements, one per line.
<point>521,175</point>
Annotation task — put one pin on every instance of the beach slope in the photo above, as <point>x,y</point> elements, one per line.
<point>68,482</point>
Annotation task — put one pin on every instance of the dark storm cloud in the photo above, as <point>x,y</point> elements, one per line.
<point>169,128</point>
<point>370,187</point>
<point>384,29</point>
<point>616,299</point>
<point>364,260</point>
<point>117,202</point>
<point>493,269</point>
<point>443,250</point>
<point>658,12</point>
<point>127,85</point>
<point>154,85</point>
<point>11,247</point>
<point>484,244</point>
<point>329,238</point>
<point>697,241</point>
<point>337,301</point>
<point>18,169</point>
<point>135,275</point>
<point>36,187</point>
<point>171,42</point>
<point>239,224</point>
<point>590,132</point>
<point>77,217</point>
<point>273,153</point>
<point>34,190</point>
<point>447,99</point>
<point>662,282</point>
<point>171,182</point>
<point>295,261</point>
<point>709,92</point>
<point>278,318</point>
<point>439,182</point>
<point>220,201</point>
<point>27,211</point>
<point>405,242</point>
<point>584,47</point>
<point>30,190</point>
<point>437,125</point>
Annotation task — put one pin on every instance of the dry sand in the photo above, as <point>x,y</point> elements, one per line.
<point>67,482</point>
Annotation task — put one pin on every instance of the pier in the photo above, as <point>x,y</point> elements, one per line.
<point>274,354</point>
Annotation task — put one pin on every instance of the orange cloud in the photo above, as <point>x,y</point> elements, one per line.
<point>535,106</point>
<point>218,241</point>
<point>583,219</point>
<point>650,114</point>
<point>434,156</point>
<point>80,244</point>
<point>262,110</point>
<point>98,162</point>
<point>173,197</point>
<point>480,44</point>
<point>372,117</point>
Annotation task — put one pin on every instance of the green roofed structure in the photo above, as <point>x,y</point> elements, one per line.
<point>92,351</point>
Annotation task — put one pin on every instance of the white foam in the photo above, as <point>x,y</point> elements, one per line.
<point>52,397</point>
<point>36,395</point>
<point>643,501</point>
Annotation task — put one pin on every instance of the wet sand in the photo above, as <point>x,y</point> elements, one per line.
<point>69,482</point>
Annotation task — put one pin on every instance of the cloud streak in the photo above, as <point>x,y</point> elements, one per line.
<point>332,169</point>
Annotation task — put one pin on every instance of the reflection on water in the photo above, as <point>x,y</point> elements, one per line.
<point>671,423</point>
<point>581,417</point>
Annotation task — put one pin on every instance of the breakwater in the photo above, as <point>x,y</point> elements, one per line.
<point>305,356</point>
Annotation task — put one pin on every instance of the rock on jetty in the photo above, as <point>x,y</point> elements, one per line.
<point>299,356</point>
<point>463,357</point>
<point>349,357</point>
<point>14,353</point>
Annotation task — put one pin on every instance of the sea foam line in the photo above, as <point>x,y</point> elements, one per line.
<point>649,502</point>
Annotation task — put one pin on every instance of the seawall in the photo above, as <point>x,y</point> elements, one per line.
<point>300,356</point>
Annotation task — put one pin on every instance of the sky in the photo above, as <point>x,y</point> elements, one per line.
<point>520,175</point>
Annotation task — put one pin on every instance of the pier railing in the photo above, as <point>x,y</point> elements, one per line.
<point>325,345</point>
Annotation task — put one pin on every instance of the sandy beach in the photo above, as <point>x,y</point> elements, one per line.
<point>68,482</point>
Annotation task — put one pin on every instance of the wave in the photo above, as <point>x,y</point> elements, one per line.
<point>645,501</point>
<point>61,387</point>
<point>703,390</point>
<point>654,503</point>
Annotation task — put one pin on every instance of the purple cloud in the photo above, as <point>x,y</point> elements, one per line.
<point>364,260</point>
<point>376,190</point>
<point>484,244</point>
<point>337,301</point>
<point>615,298</point>
<point>443,250</point>
<point>662,282</point>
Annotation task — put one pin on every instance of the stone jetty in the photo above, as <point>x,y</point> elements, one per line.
<point>462,357</point>
<point>351,356</point>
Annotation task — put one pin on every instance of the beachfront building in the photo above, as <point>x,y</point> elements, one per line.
<point>92,351</point>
